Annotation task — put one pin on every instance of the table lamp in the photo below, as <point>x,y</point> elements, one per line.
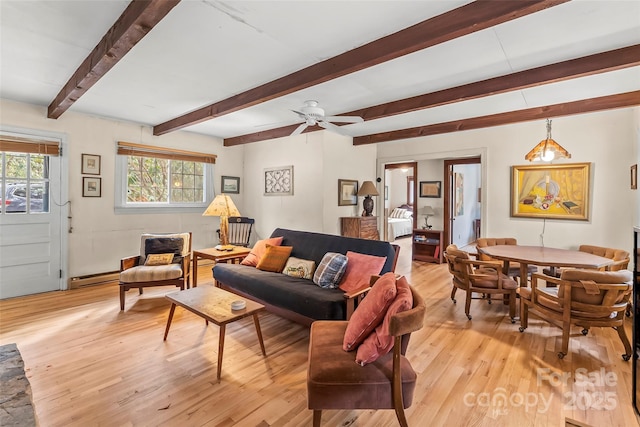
<point>223,207</point>
<point>427,211</point>
<point>368,189</point>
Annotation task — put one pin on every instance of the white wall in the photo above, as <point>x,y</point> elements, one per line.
<point>319,160</point>
<point>431,170</point>
<point>100,238</point>
<point>606,139</point>
<point>463,226</point>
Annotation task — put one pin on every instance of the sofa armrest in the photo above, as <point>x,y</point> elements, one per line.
<point>129,262</point>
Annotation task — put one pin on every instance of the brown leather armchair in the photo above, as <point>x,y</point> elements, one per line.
<point>137,272</point>
<point>483,277</point>
<point>579,297</point>
<point>620,259</point>
<point>336,381</point>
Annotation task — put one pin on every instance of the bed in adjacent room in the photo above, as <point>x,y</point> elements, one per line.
<point>400,222</point>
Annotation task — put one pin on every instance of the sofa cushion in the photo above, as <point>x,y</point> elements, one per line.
<point>185,243</point>
<point>330,270</point>
<point>370,311</point>
<point>274,259</point>
<point>259,249</point>
<point>360,268</point>
<point>143,273</point>
<point>313,246</point>
<point>380,341</point>
<point>164,245</point>
<point>280,290</point>
<point>301,268</point>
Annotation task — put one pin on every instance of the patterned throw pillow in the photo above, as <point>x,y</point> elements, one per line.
<point>259,249</point>
<point>360,268</point>
<point>301,268</point>
<point>274,259</point>
<point>164,245</point>
<point>397,213</point>
<point>380,341</point>
<point>330,271</point>
<point>159,259</point>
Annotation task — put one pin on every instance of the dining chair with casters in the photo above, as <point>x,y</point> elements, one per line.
<point>620,259</point>
<point>482,277</point>
<point>336,381</point>
<point>239,232</point>
<point>164,260</point>
<point>514,267</point>
<point>584,298</point>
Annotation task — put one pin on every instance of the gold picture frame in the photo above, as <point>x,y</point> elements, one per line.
<point>551,191</point>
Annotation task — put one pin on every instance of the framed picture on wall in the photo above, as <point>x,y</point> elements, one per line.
<point>278,181</point>
<point>430,189</point>
<point>347,192</point>
<point>551,191</point>
<point>91,187</point>
<point>230,184</point>
<point>90,164</point>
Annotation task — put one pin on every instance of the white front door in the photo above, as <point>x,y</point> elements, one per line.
<point>30,220</point>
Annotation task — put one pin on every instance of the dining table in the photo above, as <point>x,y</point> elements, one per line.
<point>543,256</point>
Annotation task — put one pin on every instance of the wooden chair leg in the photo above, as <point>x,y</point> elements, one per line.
<point>566,330</point>
<point>121,298</point>
<point>512,307</point>
<point>625,341</point>
<point>453,294</point>
<point>467,304</point>
<point>317,417</point>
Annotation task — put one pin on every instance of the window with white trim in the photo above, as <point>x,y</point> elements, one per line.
<point>161,179</point>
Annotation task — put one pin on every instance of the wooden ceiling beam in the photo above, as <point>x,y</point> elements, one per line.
<point>610,102</point>
<point>580,67</point>
<point>134,23</point>
<point>459,22</point>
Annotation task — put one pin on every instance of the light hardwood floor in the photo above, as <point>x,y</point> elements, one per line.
<point>90,364</point>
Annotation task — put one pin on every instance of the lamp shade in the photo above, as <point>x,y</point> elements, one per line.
<point>547,149</point>
<point>367,189</point>
<point>427,211</point>
<point>222,205</point>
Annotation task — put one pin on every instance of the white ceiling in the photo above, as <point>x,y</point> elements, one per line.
<point>206,51</point>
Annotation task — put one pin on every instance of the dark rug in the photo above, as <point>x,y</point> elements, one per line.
<point>16,408</point>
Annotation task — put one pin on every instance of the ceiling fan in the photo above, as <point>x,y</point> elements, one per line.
<point>313,115</point>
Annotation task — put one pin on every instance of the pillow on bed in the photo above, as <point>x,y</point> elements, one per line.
<point>397,213</point>
<point>407,214</point>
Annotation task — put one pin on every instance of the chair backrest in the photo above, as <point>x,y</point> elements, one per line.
<point>620,256</point>
<point>483,242</point>
<point>596,293</point>
<point>181,250</point>
<point>404,323</point>
<point>459,270</point>
<point>240,230</point>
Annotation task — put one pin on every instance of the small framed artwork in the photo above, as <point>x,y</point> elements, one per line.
<point>278,181</point>
<point>430,189</point>
<point>91,187</point>
<point>90,164</point>
<point>347,192</point>
<point>634,177</point>
<point>230,184</point>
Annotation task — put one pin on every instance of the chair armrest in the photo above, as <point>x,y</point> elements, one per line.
<point>129,262</point>
<point>357,292</point>
<point>186,265</point>
<point>624,262</point>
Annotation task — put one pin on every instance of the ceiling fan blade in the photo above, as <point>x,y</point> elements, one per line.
<point>344,119</point>
<point>301,114</point>
<point>331,127</point>
<point>299,129</point>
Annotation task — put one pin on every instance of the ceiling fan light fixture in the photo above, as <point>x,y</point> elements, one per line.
<point>547,149</point>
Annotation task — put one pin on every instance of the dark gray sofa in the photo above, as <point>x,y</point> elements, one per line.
<point>297,299</point>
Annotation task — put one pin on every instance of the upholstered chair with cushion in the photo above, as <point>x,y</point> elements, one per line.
<point>164,260</point>
<point>584,298</point>
<point>620,259</point>
<point>376,374</point>
<point>514,267</point>
<point>481,277</point>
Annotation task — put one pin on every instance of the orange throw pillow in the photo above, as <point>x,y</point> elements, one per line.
<point>370,311</point>
<point>380,341</point>
<point>259,249</point>
<point>274,258</point>
<point>360,268</point>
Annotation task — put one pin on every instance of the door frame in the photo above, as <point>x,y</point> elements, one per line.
<point>64,191</point>
<point>414,166</point>
<point>448,189</point>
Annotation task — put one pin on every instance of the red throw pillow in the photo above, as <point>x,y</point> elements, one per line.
<point>360,268</point>
<point>274,259</point>
<point>259,249</point>
<point>380,341</point>
<point>370,311</point>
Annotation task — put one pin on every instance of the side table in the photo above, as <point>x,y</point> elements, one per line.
<point>234,255</point>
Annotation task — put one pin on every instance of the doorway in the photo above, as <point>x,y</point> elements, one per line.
<point>462,201</point>
<point>400,193</point>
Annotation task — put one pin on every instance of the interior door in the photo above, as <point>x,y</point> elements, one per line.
<point>30,236</point>
<point>456,225</point>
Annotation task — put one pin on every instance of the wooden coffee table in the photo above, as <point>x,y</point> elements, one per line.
<point>234,255</point>
<point>214,305</point>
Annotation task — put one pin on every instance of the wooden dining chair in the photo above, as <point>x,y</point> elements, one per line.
<point>579,297</point>
<point>514,267</point>
<point>483,277</point>
<point>239,231</point>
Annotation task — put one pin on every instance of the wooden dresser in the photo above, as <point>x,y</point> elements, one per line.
<point>363,227</point>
